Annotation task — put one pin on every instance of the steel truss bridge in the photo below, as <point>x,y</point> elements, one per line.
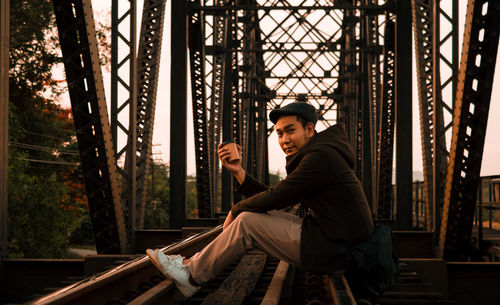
<point>351,59</point>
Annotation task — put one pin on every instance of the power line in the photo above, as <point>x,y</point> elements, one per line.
<point>44,148</point>
<point>45,135</point>
<point>49,162</point>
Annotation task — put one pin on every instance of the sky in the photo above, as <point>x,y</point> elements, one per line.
<point>161,133</point>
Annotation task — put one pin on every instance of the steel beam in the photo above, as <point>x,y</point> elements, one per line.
<point>4,122</point>
<point>227,106</point>
<point>441,83</point>
<point>403,115</point>
<point>148,65</point>
<point>374,54</point>
<point>200,120</point>
<point>371,83</point>
<point>386,132</point>
<point>78,42</point>
<point>178,114</point>
<point>270,6</point>
<point>350,89</point>
<point>253,111</point>
<point>475,79</point>
<point>430,37</point>
<point>423,16</point>
<point>124,108</point>
<point>217,40</point>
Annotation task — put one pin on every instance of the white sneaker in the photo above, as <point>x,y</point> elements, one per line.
<point>171,266</point>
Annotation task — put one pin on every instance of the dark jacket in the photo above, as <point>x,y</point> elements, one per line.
<point>320,176</point>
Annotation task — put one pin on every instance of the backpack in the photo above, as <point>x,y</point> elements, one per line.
<point>372,266</point>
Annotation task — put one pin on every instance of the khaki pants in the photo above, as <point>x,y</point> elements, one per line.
<point>277,233</point>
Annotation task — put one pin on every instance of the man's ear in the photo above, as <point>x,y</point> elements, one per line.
<point>310,129</point>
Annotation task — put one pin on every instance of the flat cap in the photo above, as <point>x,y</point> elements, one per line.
<point>305,110</point>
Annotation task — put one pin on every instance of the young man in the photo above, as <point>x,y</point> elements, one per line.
<point>320,176</point>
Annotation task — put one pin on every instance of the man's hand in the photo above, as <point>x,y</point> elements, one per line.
<point>228,220</point>
<point>235,166</point>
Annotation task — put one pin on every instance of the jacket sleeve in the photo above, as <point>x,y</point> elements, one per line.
<point>250,186</point>
<point>310,174</point>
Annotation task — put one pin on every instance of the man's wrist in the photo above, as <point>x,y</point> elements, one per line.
<point>240,175</point>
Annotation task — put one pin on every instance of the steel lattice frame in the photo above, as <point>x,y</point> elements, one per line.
<point>423,25</point>
<point>374,78</point>
<point>285,51</point>
<point>360,85</point>
<point>124,109</point>
<point>148,64</point>
<point>254,94</point>
<point>479,52</point>
<point>197,67</point>
<point>429,42</point>
<point>217,40</point>
<point>349,84</point>
<point>442,106</point>
<point>83,73</point>
<point>387,120</point>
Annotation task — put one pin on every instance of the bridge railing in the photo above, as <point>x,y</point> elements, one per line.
<point>487,213</point>
<point>488,207</point>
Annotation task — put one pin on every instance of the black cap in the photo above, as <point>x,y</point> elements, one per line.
<point>305,110</point>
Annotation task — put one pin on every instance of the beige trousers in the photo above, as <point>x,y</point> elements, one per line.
<point>277,233</point>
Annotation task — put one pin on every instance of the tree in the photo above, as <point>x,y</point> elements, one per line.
<point>37,224</point>
<point>46,193</point>
<point>156,215</point>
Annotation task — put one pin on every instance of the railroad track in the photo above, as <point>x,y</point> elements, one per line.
<point>255,279</point>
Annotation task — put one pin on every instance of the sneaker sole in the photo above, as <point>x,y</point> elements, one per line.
<point>153,257</point>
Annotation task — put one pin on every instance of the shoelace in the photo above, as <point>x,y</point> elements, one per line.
<point>176,264</point>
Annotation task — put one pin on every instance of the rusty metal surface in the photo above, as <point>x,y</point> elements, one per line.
<point>479,54</point>
<point>422,25</point>
<point>148,66</point>
<point>139,282</point>
<point>116,282</point>
<point>77,37</point>
<point>124,106</point>
<point>205,193</point>
<point>178,112</point>
<point>387,127</point>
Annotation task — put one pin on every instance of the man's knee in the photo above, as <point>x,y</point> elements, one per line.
<point>247,217</point>
<point>247,220</point>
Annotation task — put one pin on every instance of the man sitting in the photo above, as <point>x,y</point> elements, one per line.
<point>320,175</point>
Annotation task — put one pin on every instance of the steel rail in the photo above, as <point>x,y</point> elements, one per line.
<point>116,286</point>
<point>117,281</point>
<point>340,291</point>
<point>275,290</point>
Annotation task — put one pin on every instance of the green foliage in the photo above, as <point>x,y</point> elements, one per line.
<point>158,198</point>
<point>37,224</point>
<point>46,196</point>
<point>191,198</point>
<point>32,50</point>
<point>82,232</point>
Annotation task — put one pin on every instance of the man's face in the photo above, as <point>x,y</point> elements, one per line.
<point>292,136</point>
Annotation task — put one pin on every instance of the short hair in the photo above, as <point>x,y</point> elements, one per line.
<point>303,121</point>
